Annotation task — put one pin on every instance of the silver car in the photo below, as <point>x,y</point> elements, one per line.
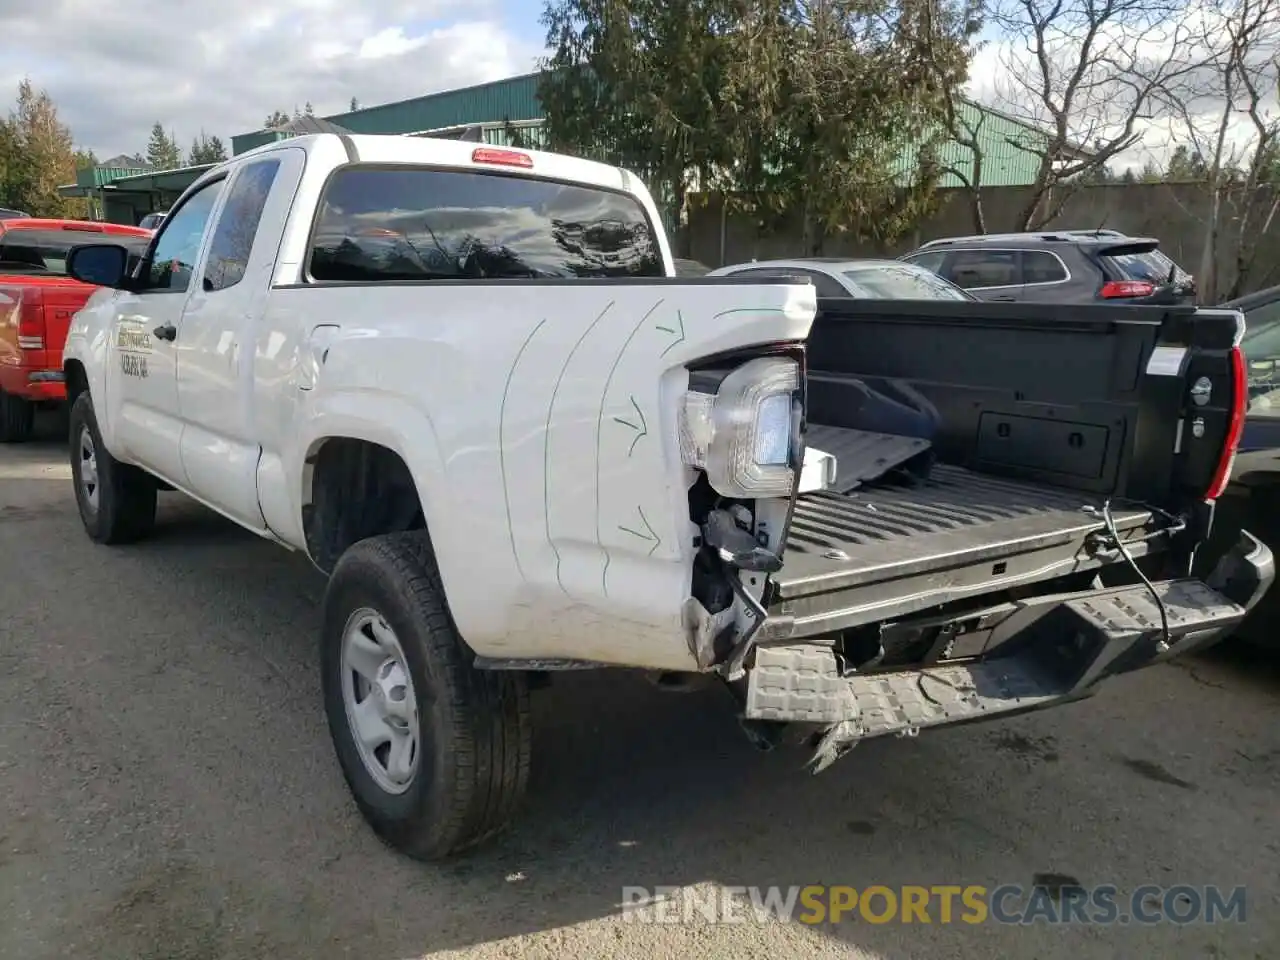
<point>864,279</point>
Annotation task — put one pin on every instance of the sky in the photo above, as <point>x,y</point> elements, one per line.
<point>116,67</point>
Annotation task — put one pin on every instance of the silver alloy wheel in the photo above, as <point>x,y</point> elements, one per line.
<point>377,690</point>
<point>88,469</point>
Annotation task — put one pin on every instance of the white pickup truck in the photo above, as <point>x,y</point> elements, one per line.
<point>466,383</point>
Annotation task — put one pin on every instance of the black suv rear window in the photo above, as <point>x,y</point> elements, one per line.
<point>422,223</point>
<point>1151,266</point>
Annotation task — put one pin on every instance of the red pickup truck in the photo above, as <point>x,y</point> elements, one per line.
<point>37,302</point>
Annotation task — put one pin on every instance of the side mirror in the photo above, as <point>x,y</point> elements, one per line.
<point>101,264</point>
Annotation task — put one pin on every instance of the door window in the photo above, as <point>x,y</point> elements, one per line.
<point>1261,347</point>
<point>931,261</point>
<point>827,286</point>
<point>1041,266</point>
<point>978,269</point>
<point>173,258</point>
<point>238,225</point>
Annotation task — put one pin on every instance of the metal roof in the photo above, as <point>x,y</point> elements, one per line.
<point>305,124</point>
<point>1109,238</point>
<point>176,179</point>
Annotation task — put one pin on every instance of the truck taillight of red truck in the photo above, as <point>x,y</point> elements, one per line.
<point>37,302</point>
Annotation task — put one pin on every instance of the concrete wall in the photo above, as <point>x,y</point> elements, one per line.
<point>1173,213</point>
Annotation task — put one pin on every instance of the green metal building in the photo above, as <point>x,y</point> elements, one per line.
<point>122,192</point>
<point>513,103</point>
<point>492,112</point>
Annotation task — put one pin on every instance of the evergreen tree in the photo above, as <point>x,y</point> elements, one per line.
<point>162,152</point>
<point>37,155</point>
<point>1185,164</point>
<point>206,149</point>
<point>802,108</point>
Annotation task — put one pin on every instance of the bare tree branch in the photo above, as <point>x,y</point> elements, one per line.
<point>1225,120</point>
<point>1088,72</point>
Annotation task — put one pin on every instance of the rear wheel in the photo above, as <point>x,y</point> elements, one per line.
<point>17,418</point>
<point>117,501</point>
<point>436,752</point>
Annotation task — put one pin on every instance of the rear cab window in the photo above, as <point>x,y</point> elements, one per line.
<point>388,223</point>
<point>42,251</point>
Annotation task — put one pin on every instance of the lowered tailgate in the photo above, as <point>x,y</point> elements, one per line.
<point>891,549</point>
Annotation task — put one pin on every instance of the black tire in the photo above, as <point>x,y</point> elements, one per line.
<point>17,418</point>
<point>125,510</point>
<point>475,736</point>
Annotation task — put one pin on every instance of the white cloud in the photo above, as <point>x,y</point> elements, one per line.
<point>116,68</point>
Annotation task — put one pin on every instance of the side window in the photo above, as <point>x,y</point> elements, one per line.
<point>975,269</point>
<point>1041,266</point>
<point>173,258</point>
<point>931,261</point>
<point>238,225</point>
<point>827,286</point>
<point>1261,346</point>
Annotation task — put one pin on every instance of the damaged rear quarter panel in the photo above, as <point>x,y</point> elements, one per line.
<point>540,424</point>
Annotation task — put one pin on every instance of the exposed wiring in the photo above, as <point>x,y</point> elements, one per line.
<point>1166,640</point>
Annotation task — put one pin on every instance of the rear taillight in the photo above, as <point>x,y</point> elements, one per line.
<point>1119,289</point>
<point>30,324</point>
<point>503,158</point>
<point>1235,425</point>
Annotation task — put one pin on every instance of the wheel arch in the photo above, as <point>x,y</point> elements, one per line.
<point>364,477</point>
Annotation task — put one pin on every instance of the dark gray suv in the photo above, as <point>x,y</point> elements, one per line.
<point>1059,266</point>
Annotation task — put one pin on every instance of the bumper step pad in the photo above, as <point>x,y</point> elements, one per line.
<point>802,685</point>
<point>1061,656</point>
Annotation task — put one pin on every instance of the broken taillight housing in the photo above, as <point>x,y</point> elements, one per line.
<point>745,434</point>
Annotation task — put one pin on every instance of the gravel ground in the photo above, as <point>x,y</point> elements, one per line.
<point>167,787</point>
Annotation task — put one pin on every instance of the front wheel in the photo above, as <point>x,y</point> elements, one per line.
<point>436,752</point>
<point>117,501</point>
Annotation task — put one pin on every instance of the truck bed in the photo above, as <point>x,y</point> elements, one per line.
<point>1034,412</point>
<point>897,547</point>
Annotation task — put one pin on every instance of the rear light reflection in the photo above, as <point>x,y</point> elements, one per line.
<point>1235,425</point>
<point>504,158</point>
<point>1119,289</point>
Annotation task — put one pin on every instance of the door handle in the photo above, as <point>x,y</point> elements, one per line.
<point>1004,299</point>
<point>166,331</point>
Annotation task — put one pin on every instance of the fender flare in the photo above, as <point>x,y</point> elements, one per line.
<point>389,421</point>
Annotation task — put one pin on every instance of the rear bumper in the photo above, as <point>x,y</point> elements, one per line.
<point>35,383</point>
<point>1053,652</point>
